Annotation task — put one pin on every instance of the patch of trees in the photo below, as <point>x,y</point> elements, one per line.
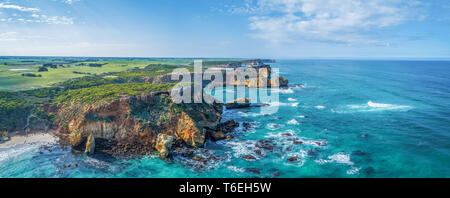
<point>51,65</point>
<point>42,69</point>
<point>75,72</point>
<point>92,64</point>
<point>31,75</point>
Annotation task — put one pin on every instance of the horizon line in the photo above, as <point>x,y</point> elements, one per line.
<point>274,58</point>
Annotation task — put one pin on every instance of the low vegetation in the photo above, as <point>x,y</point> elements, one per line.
<point>31,87</point>
<point>108,92</point>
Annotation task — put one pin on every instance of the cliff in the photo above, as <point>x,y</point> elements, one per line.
<point>139,125</point>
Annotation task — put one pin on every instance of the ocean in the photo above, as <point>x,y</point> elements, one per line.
<point>350,118</point>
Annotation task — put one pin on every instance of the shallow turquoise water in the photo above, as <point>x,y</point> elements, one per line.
<point>355,119</point>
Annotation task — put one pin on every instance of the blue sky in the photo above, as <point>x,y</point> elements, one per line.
<point>226,28</point>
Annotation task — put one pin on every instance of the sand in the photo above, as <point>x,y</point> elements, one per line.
<point>35,138</point>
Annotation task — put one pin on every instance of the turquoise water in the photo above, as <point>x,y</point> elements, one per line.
<point>354,119</point>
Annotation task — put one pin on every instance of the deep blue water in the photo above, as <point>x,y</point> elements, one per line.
<point>354,119</point>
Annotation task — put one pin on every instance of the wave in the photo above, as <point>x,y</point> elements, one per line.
<point>279,104</point>
<point>320,107</point>
<point>273,126</point>
<point>292,99</point>
<point>390,106</point>
<point>339,158</point>
<point>293,122</point>
<point>372,106</point>
<point>6,154</point>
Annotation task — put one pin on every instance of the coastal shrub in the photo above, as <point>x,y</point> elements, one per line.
<point>13,111</point>
<point>48,92</point>
<point>102,93</point>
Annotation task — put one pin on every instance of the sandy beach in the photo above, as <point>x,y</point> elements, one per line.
<point>30,139</point>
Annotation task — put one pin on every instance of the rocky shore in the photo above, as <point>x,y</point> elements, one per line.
<point>150,123</point>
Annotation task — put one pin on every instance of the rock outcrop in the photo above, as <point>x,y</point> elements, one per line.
<point>4,136</point>
<point>164,144</point>
<point>238,103</point>
<point>137,124</point>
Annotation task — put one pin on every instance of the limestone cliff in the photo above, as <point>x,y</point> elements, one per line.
<point>134,124</point>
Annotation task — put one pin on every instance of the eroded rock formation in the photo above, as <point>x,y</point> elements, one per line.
<point>139,124</point>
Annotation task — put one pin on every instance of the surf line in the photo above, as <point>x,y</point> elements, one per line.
<point>196,188</point>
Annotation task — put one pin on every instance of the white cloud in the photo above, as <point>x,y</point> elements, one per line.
<point>68,1</point>
<point>36,15</point>
<point>9,36</point>
<point>341,21</point>
<point>19,8</point>
<point>51,19</point>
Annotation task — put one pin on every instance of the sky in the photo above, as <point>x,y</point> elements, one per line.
<point>295,29</point>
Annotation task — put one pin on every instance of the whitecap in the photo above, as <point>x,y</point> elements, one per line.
<point>353,171</point>
<point>273,126</point>
<point>292,99</point>
<point>386,106</point>
<point>293,122</point>
<point>283,104</point>
<point>17,151</point>
<point>340,158</point>
<point>320,107</point>
<point>372,106</point>
<point>236,169</point>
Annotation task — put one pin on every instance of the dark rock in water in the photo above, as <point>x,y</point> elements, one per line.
<point>199,159</point>
<point>184,152</point>
<point>320,143</point>
<point>265,144</point>
<point>258,152</point>
<point>292,159</point>
<point>217,135</point>
<point>297,85</point>
<point>249,157</point>
<point>359,153</point>
<point>369,171</point>
<point>253,170</point>
<point>238,103</point>
<point>286,134</point>
<point>297,142</point>
<point>313,152</point>
<point>289,148</point>
<point>277,174</point>
<point>229,125</point>
<point>259,105</point>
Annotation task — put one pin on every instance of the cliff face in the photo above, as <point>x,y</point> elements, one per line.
<point>133,125</point>
<point>264,78</point>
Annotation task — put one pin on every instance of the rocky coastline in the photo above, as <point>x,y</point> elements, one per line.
<point>150,123</point>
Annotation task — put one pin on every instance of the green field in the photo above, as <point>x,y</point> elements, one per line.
<point>11,78</point>
<point>29,85</point>
<point>12,69</point>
